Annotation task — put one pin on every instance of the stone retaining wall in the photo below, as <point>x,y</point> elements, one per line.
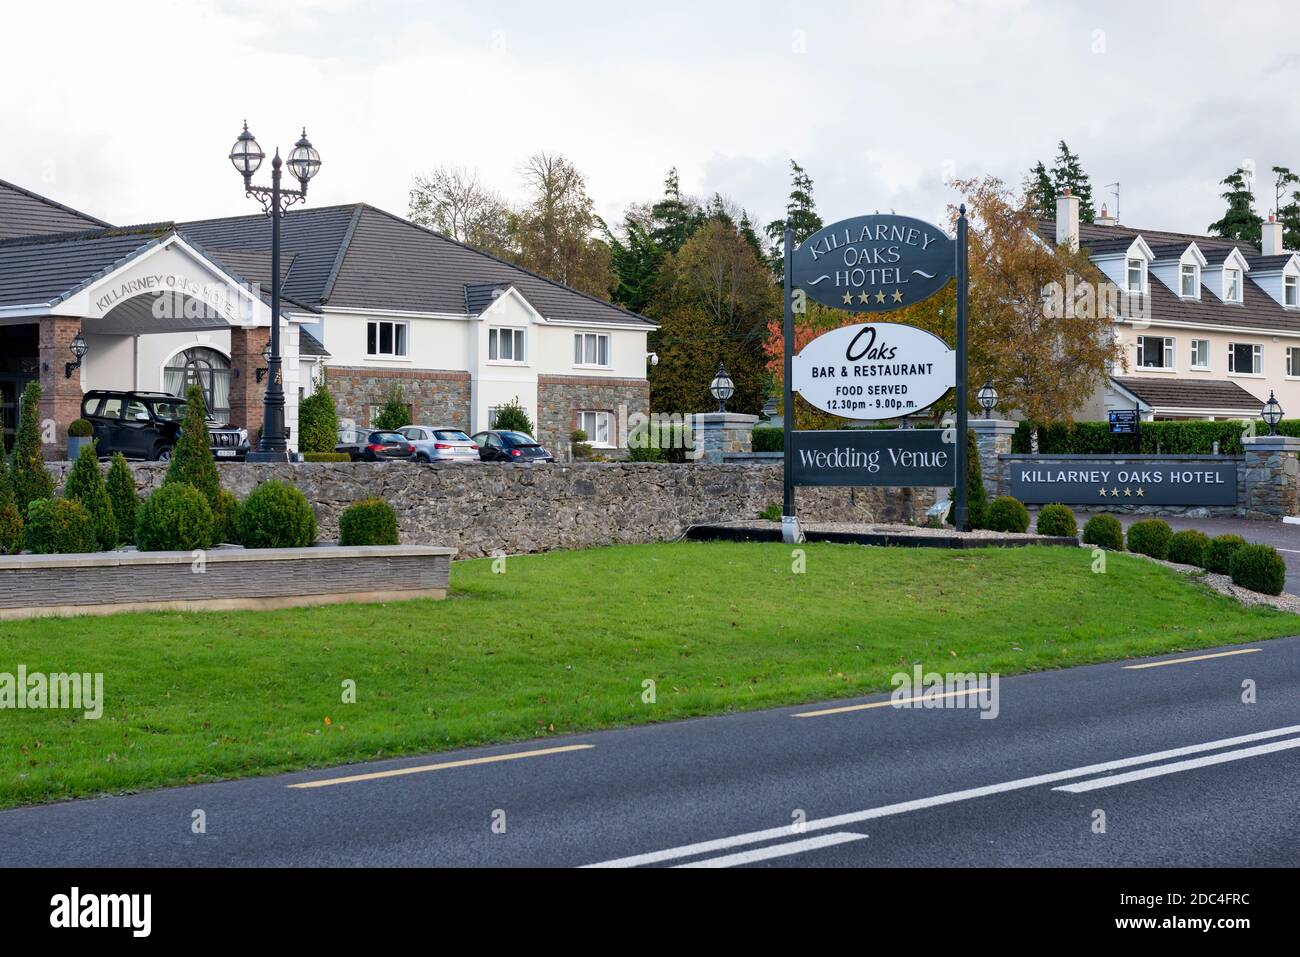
<point>499,508</point>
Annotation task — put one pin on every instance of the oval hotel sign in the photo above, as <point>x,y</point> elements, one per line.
<point>874,370</point>
<point>874,263</point>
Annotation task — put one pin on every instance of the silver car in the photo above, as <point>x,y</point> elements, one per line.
<point>440,444</point>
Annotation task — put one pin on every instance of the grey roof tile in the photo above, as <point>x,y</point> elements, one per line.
<point>23,213</point>
<point>1185,393</point>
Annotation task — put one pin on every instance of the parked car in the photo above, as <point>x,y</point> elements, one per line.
<point>146,425</point>
<point>502,446</point>
<point>374,445</point>
<point>440,444</point>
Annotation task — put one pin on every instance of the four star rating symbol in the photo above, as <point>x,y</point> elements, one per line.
<point>1140,492</point>
<point>864,297</point>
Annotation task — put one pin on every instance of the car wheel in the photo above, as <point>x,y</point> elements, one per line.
<point>163,454</point>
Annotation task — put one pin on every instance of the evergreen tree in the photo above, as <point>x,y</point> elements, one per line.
<point>1041,192</point>
<point>30,479</point>
<point>1287,208</point>
<point>121,492</point>
<point>674,217</point>
<point>1240,221</point>
<point>192,460</point>
<point>636,259</point>
<point>11,521</point>
<point>318,419</point>
<point>86,485</point>
<point>1068,171</point>
<point>395,412</point>
<point>801,210</point>
<point>512,417</point>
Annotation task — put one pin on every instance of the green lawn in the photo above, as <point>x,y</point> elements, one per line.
<point>562,642</point>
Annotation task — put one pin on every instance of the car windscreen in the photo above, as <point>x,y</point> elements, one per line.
<point>518,438</point>
<point>378,438</point>
<point>169,411</point>
<point>451,435</point>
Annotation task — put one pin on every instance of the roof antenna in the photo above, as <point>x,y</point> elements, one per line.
<point>1115,192</point>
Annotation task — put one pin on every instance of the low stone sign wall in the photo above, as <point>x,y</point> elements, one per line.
<point>486,509</point>
<point>106,583</point>
<point>1138,484</point>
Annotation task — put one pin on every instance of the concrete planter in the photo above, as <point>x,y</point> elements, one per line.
<point>104,583</point>
<point>75,444</point>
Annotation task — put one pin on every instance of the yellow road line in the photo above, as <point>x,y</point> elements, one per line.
<point>399,772</point>
<point>1180,661</point>
<point>887,704</point>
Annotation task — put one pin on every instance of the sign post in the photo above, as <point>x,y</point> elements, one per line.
<point>789,521</point>
<point>959,513</point>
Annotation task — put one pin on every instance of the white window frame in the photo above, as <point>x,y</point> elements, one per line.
<point>393,355</point>
<point>1167,353</point>
<point>580,342</point>
<point>1293,365</point>
<point>518,344</point>
<point>1229,276</point>
<point>1257,359</point>
<point>611,440</point>
<point>1193,272</point>
<point>1200,365</point>
<point>1291,292</point>
<point>1141,266</point>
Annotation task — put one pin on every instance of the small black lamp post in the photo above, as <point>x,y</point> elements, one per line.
<point>79,349</point>
<point>722,387</point>
<point>988,398</point>
<point>304,163</point>
<point>1271,413</point>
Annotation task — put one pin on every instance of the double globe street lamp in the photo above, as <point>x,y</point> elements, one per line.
<point>304,163</point>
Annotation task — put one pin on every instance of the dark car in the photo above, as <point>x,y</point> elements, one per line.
<point>503,446</point>
<point>374,445</point>
<point>146,425</point>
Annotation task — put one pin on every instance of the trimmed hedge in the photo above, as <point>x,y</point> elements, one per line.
<point>175,518</point>
<point>1006,514</point>
<point>1218,556</point>
<point>225,519</point>
<point>768,439</point>
<point>1168,438</point>
<point>1057,520</point>
<point>276,515</point>
<point>1150,536</point>
<point>370,521</point>
<point>1259,568</point>
<point>1104,531</point>
<point>326,457</point>
<point>58,526</point>
<point>1188,547</point>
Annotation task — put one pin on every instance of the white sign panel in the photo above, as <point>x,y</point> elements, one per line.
<point>875,370</point>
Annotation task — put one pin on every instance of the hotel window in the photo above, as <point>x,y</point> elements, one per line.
<point>1244,359</point>
<point>1155,352</point>
<point>1135,270</point>
<point>1232,285</point>
<point>590,349</point>
<point>506,345</point>
<point>1189,281</point>
<point>1200,353</point>
<point>596,425</point>
<point>1291,291</point>
<point>1293,362</point>
<point>386,340</point>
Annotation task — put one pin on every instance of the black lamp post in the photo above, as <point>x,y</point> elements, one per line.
<point>722,387</point>
<point>988,398</point>
<point>1272,413</point>
<point>79,349</point>
<point>304,163</point>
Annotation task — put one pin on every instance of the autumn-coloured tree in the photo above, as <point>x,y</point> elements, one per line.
<point>1043,361</point>
<point>555,232</point>
<point>452,201</point>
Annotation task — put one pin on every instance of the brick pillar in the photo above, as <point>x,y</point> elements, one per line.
<point>60,395</point>
<point>1271,489</point>
<point>716,433</point>
<point>246,393</point>
<point>993,440</point>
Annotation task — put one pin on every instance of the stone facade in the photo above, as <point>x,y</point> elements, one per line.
<point>492,508</point>
<point>1271,477</point>
<point>247,395</point>
<point>561,397</point>
<point>719,434</point>
<point>992,439</point>
<point>436,397</point>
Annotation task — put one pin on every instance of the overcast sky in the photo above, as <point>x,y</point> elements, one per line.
<point>128,109</point>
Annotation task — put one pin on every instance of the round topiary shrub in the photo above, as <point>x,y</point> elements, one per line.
<point>1104,531</point>
<point>58,526</point>
<point>1188,547</point>
<point>80,429</point>
<point>1150,536</point>
<point>276,515</point>
<point>1259,568</point>
<point>175,518</point>
<point>370,521</point>
<point>1218,556</point>
<point>1006,514</point>
<point>225,518</point>
<point>1057,520</point>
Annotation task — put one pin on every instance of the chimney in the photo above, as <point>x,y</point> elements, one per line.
<point>1067,219</point>
<point>1271,244</point>
<point>1105,218</point>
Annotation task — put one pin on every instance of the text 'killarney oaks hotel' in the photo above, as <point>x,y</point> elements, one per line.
<point>371,298</point>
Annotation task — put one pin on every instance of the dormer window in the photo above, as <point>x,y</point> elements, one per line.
<point>1189,281</point>
<point>1232,285</point>
<point>1291,292</point>
<point>1136,274</point>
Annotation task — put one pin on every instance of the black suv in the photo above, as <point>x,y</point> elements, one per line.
<point>145,425</point>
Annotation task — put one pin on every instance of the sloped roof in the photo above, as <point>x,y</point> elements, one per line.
<point>23,213</point>
<point>480,295</point>
<point>43,270</point>
<point>1185,393</point>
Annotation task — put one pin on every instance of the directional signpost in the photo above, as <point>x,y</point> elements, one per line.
<point>875,370</point>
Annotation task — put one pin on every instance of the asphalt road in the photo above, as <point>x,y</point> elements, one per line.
<point>1184,772</point>
<point>1281,535</point>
